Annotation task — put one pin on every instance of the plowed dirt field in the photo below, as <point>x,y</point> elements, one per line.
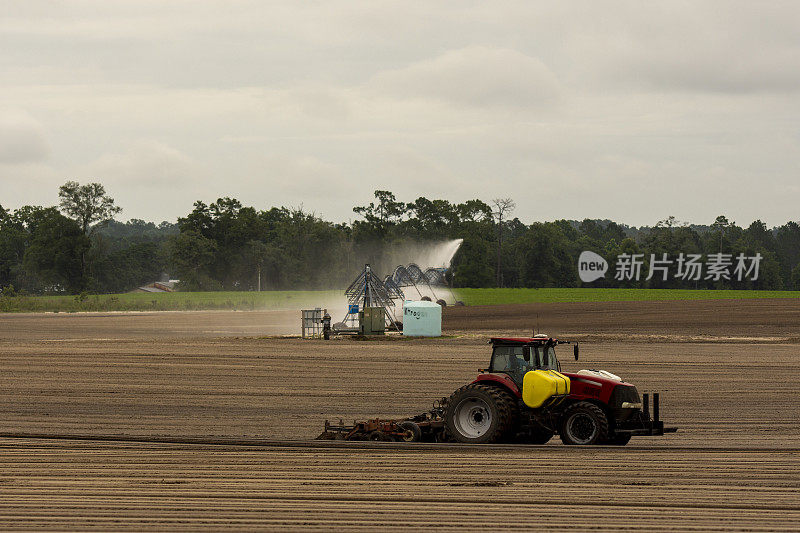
<point>727,370</point>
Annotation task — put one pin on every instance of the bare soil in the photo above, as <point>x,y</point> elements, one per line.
<point>727,371</point>
<point>714,319</point>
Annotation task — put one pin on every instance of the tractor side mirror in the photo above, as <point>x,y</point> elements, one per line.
<point>575,351</point>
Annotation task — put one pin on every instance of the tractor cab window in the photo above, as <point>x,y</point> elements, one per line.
<point>547,357</point>
<point>514,361</point>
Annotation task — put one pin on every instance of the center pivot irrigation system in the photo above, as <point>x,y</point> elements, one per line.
<point>408,282</point>
<point>423,283</point>
<point>368,291</point>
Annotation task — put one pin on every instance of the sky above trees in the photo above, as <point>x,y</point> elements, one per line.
<point>623,110</point>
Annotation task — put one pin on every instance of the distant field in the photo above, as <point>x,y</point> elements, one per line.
<point>248,301</point>
<point>525,296</point>
<point>173,301</point>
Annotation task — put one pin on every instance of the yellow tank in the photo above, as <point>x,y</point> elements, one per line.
<point>538,386</point>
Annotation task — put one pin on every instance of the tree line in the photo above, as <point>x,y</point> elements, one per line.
<point>78,247</point>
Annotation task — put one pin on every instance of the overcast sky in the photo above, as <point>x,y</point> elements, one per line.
<point>631,111</point>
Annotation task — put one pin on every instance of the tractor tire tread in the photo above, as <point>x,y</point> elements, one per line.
<point>599,415</point>
<point>505,408</point>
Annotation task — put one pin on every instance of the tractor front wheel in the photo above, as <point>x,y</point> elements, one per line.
<point>584,423</point>
<point>479,414</point>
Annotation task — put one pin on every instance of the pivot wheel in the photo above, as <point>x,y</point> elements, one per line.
<point>479,414</point>
<point>584,423</point>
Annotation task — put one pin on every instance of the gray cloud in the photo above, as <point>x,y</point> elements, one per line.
<point>145,163</point>
<point>22,138</point>
<point>727,47</point>
<point>623,110</point>
<point>475,75</point>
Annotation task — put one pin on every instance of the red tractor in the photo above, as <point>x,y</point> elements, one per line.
<point>523,397</point>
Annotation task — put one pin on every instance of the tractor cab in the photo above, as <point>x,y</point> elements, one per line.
<point>517,356</point>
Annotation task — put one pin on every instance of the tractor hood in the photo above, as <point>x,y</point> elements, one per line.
<point>599,374</point>
<point>594,378</point>
<point>595,386</point>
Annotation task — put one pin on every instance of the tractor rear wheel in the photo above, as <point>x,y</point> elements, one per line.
<point>584,423</point>
<point>479,414</point>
